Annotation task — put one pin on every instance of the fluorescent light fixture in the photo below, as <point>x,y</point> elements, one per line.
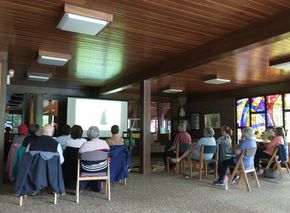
<point>281,63</point>
<point>52,58</point>
<point>116,90</point>
<point>215,80</point>
<point>34,76</point>
<point>85,21</point>
<point>172,90</point>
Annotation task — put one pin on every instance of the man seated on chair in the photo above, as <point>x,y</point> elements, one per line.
<point>46,143</point>
<point>267,149</point>
<point>194,153</point>
<point>248,143</point>
<point>183,137</point>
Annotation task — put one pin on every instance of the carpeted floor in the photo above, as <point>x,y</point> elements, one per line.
<point>162,192</point>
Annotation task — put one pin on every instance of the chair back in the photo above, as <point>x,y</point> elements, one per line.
<point>184,147</point>
<point>209,149</point>
<point>281,153</point>
<point>94,163</point>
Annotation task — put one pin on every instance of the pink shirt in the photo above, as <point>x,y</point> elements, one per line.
<point>270,147</point>
<point>182,138</point>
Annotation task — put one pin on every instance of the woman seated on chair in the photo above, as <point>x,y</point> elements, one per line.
<point>70,154</point>
<point>267,149</point>
<point>115,139</point>
<point>225,143</point>
<point>248,143</point>
<point>194,153</point>
<point>93,144</point>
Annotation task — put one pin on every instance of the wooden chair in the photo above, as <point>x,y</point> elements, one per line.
<point>205,149</point>
<point>180,149</point>
<point>102,162</point>
<point>243,171</point>
<point>275,160</point>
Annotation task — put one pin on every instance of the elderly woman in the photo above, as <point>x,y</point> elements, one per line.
<point>93,144</point>
<point>194,153</point>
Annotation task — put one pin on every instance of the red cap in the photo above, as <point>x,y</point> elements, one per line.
<point>22,129</point>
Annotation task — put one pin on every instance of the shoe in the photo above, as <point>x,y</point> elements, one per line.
<point>219,183</point>
<point>175,160</point>
<point>235,179</point>
<point>186,176</point>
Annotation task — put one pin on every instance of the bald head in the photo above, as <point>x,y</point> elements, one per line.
<point>48,129</point>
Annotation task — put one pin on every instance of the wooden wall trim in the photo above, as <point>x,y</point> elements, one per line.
<point>3,87</point>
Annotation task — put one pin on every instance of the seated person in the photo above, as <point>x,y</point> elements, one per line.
<point>225,143</point>
<point>46,143</point>
<point>65,135</point>
<point>94,144</point>
<point>72,145</point>
<point>267,149</point>
<point>115,139</point>
<point>32,129</point>
<point>247,143</point>
<point>183,137</point>
<point>194,153</point>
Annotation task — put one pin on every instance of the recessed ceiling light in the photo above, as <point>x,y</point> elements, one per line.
<point>35,76</point>
<point>52,58</point>
<point>215,80</point>
<point>172,90</point>
<point>85,21</point>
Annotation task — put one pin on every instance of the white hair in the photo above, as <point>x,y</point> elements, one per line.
<point>93,132</point>
<point>249,133</point>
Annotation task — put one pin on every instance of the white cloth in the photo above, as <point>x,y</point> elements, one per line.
<point>75,143</point>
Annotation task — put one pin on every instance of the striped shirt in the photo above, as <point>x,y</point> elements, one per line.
<point>94,144</point>
<point>182,138</point>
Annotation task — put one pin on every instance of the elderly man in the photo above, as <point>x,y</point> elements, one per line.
<point>46,143</point>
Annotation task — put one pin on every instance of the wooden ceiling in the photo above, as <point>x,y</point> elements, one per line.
<point>173,43</point>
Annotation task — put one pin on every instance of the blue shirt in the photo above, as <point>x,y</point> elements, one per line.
<point>246,145</point>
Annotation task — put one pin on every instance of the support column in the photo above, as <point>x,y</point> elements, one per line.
<point>145,160</point>
<point>3,89</point>
<point>39,109</point>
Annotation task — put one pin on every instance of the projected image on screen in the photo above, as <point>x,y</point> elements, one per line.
<point>100,113</point>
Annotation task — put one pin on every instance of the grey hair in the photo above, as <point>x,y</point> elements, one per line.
<point>249,133</point>
<point>93,132</point>
<point>208,132</point>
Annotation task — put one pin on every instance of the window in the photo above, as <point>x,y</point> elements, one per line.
<point>263,112</point>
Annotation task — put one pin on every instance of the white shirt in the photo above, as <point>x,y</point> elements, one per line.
<point>75,143</point>
<point>63,139</point>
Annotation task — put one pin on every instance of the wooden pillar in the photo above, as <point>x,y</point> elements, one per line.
<point>39,109</point>
<point>145,127</point>
<point>3,88</point>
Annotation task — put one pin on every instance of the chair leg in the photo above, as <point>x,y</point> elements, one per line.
<point>205,169</point>
<point>78,190</point>
<point>256,178</point>
<point>20,200</point>
<point>190,168</point>
<point>167,164</point>
<point>125,181</point>
<point>240,179</point>
<point>55,198</point>
<point>216,170</point>
<point>287,168</point>
<point>200,170</point>
<point>108,189</point>
<point>247,182</point>
<point>279,167</point>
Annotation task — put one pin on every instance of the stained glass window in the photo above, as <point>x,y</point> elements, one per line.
<point>287,122</point>
<point>243,118</point>
<point>258,122</point>
<point>258,104</point>
<point>287,101</point>
<point>274,111</point>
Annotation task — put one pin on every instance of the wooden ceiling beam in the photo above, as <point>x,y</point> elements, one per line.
<point>268,31</point>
